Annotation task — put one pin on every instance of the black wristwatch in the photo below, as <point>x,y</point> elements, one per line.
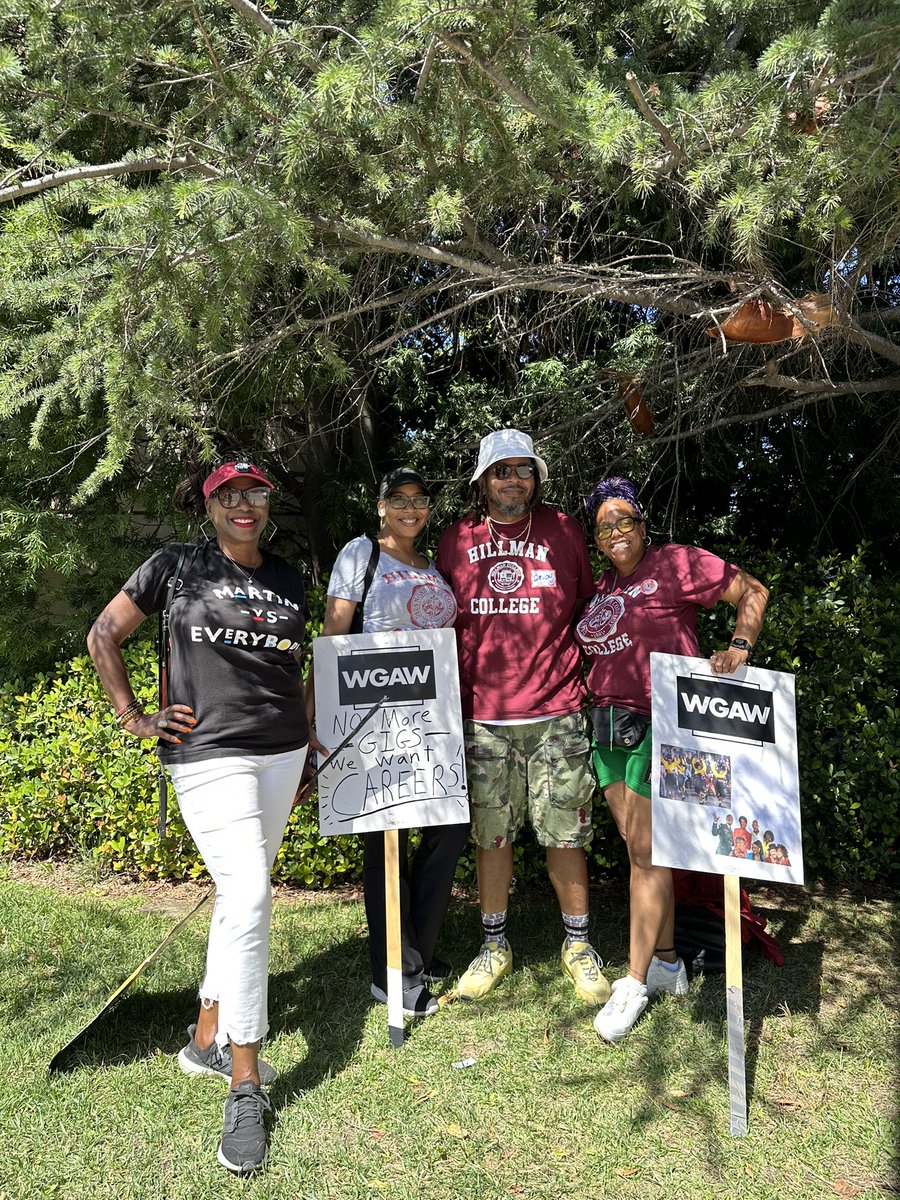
<point>742,644</point>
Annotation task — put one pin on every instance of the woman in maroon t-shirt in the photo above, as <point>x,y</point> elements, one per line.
<point>647,601</point>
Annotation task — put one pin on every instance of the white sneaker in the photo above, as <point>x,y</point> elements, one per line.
<point>627,1002</point>
<point>661,979</point>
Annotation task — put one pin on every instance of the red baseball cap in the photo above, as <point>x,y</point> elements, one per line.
<point>230,471</point>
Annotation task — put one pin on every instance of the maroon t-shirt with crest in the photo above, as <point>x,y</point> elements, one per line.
<point>654,609</point>
<point>517,598</point>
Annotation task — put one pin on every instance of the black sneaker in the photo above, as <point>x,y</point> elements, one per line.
<point>417,1000</point>
<point>216,1060</point>
<point>244,1138</point>
<point>438,972</point>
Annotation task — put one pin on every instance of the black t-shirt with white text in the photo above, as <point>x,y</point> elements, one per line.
<point>233,645</point>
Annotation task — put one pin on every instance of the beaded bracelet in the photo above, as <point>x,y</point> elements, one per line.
<point>134,709</point>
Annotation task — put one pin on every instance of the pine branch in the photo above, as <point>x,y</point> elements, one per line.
<point>871,341</point>
<point>430,56</point>
<point>489,250</point>
<point>44,183</point>
<point>879,316</point>
<point>811,397</point>
<point>814,388</point>
<point>436,318</point>
<point>537,279</point>
<point>253,13</point>
<point>665,135</point>
<point>500,81</point>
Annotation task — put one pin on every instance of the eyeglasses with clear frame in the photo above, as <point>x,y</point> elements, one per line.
<point>624,525</point>
<point>257,497</point>
<point>399,502</point>
<point>504,470</point>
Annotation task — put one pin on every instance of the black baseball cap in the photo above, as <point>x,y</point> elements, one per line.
<point>397,478</point>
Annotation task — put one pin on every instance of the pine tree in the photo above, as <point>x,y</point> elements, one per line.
<point>340,235</point>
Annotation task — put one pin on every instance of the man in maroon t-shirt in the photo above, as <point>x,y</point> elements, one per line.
<point>520,571</point>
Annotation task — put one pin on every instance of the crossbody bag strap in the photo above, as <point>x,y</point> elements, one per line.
<point>163,679</point>
<point>357,622</point>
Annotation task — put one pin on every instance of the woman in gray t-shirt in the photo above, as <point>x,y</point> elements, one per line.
<point>406,591</point>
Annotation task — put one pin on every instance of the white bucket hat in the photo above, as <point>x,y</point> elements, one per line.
<point>507,443</point>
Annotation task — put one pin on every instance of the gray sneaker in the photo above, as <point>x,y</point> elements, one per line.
<point>216,1060</point>
<point>244,1138</point>
<point>663,978</point>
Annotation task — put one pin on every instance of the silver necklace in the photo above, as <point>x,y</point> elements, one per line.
<point>394,553</point>
<point>242,569</point>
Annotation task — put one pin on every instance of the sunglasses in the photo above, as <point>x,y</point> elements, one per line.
<point>228,497</point>
<point>623,525</point>
<point>504,470</point>
<point>401,502</point>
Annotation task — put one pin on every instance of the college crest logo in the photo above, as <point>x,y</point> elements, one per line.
<point>601,618</point>
<point>430,607</point>
<point>506,577</point>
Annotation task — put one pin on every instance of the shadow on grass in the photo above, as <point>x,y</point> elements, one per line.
<point>324,999</point>
<point>140,1025</point>
<point>536,934</point>
<point>61,962</point>
<point>315,998</point>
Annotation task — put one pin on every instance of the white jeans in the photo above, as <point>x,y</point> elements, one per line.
<point>236,809</point>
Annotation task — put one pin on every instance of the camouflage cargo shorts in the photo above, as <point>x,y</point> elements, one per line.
<point>541,771</point>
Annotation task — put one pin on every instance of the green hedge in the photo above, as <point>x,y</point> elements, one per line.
<point>837,629</point>
<point>71,783</point>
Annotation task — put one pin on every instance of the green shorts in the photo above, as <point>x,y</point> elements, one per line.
<point>541,771</point>
<point>632,765</point>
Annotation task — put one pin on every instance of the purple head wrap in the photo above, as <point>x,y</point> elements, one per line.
<point>616,488</point>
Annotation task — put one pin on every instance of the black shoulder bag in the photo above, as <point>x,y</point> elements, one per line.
<point>163,652</point>
<point>357,623</point>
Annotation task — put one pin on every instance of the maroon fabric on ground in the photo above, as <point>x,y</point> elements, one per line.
<point>698,889</point>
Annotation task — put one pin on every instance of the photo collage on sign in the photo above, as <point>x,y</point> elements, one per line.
<point>696,776</point>
<point>725,784</point>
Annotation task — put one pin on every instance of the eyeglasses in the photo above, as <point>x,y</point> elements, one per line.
<point>401,502</point>
<point>231,497</point>
<point>504,470</point>
<point>624,525</point>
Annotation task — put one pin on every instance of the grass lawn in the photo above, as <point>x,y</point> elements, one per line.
<point>546,1111</point>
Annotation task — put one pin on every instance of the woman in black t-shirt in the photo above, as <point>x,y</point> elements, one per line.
<point>234,742</point>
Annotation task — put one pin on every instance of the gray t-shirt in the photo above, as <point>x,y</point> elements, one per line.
<point>400,596</point>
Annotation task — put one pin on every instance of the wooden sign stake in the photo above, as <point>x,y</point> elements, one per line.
<point>734,984</point>
<point>394,947</point>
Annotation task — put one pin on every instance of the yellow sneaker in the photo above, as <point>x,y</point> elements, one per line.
<point>584,967</point>
<point>485,971</point>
